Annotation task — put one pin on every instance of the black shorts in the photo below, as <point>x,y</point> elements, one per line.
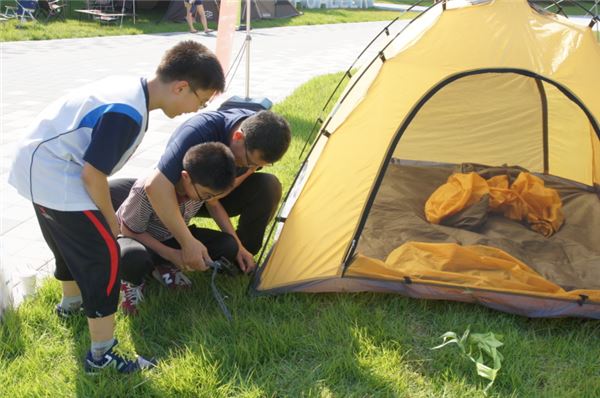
<point>86,252</point>
<point>137,261</point>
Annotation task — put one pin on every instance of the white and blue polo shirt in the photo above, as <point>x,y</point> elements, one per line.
<point>101,123</point>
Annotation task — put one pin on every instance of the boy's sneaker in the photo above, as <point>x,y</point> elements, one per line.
<point>171,277</point>
<point>64,313</point>
<point>131,296</point>
<point>111,359</point>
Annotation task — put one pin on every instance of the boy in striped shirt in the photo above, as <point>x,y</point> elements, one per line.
<point>208,173</point>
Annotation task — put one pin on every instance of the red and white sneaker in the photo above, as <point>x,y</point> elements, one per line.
<point>131,297</point>
<point>171,277</point>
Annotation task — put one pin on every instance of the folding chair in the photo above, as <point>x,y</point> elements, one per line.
<point>23,10</point>
<point>51,9</point>
<point>10,12</point>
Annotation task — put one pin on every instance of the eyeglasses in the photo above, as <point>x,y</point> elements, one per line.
<point>206,197</point>
<point>203,198</point>
<point>203,104</point>
<point>249,163</point>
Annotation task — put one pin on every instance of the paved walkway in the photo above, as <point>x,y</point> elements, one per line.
<point>36,72</point>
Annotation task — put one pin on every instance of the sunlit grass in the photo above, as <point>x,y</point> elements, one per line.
<point>314,345</point>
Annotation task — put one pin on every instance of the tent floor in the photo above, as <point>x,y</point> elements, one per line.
<point>570,258</point>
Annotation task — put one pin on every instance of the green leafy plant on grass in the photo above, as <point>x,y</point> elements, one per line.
<point>476,347</point>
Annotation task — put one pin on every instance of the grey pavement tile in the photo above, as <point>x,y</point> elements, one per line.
<point>34,254</point>
<point>11,246</point>
<point>10,197</point>
<point>46,270</point>
<point>28,230</point>
<point>6,224</point>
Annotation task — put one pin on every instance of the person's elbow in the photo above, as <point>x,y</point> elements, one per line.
<point>153,184</point>
<point>90,175</point>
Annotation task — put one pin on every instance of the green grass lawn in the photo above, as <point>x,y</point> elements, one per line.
<point>313,345</point>
<point>149,21</point>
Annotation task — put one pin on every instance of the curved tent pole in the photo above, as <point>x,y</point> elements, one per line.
<point>369,65</point>
<point>577,4</point>
<point>347,74</point>
<point>277,217</point>
<point>595,19</point>
<point>555,4</point>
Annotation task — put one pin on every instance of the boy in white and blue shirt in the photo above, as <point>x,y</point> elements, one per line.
<point>62,167</point>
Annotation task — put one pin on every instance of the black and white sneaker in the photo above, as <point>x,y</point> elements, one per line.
<point>171,277</point>
<point>111,359</point>
<point>64,313</point>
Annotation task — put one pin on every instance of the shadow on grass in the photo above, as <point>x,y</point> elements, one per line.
<point>369,344</point>
<point>352,344</point>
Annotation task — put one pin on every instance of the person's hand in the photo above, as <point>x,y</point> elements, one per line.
<point>194,256</point>
<point>115,228</point>
<point>245,260</point>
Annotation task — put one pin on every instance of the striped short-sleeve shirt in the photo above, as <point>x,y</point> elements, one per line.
<point>137,213</point>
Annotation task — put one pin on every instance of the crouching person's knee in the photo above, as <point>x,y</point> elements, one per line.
<point>272,187</point>
<point>136,262</point>
<point>230,248</point>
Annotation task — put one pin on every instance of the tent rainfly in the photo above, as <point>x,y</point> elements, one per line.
<point>464,86</point>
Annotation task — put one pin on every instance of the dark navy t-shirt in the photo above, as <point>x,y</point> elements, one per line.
<point>204,127</point>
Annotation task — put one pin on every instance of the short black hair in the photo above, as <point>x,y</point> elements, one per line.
<point>192,62</point>
<point>211,165</point>
<point>268,133</point>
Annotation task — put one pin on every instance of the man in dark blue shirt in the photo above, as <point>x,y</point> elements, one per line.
<point>256,140</point>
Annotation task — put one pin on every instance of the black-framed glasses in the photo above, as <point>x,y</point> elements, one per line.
<point>206,197</point>
<point>202,104</point>
<point>248,162</point>
<point>202,198</point>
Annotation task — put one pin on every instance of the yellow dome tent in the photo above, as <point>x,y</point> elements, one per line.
<point>494,82</point>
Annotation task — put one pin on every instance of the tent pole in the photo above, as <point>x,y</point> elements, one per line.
<point>544,105</point>
<point>248,40</point>
<point>122,13</point>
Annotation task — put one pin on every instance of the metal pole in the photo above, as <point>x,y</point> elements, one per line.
<point>122,13</point>
<point>248,39</point>
<point>598,22</point>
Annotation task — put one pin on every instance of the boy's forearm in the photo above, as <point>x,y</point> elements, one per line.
<point>163,199</point>
<point>160,191</point>
<point>96,185</point>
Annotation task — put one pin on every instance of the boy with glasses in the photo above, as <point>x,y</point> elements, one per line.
<point>62,167</point>
<point>208,172</point>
